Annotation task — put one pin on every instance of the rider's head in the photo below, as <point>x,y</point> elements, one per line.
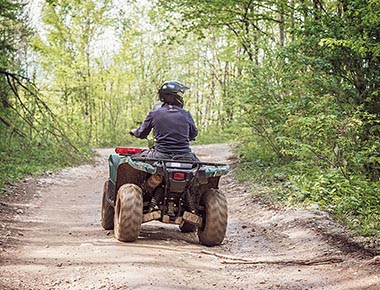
<point>171,92</point>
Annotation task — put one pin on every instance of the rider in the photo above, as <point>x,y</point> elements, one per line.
<point>172,125</point>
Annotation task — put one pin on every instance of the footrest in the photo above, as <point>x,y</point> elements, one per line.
<point>192,218</point>
<point>150,216</point>
<point>166,219</point>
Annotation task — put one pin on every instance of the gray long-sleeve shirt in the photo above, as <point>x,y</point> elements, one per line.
<point>173,129</point>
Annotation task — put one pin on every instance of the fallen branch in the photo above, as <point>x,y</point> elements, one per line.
<point>239,260</point>
<point>374,261</point>
<point>314,261</point>
<point>223,256</point>
<point>228,257</point>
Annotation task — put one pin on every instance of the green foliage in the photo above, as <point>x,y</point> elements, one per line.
<point>30,135</point>
<point>103,93</point>
<point>216,134</point>
<point>355,202</point>
<point>344,46</point>
<point>11,28</point>
<point>312,109</point>
<point>22,158</point>
<point>32,138</point>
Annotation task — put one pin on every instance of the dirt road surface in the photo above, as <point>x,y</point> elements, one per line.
<point>53,240</point>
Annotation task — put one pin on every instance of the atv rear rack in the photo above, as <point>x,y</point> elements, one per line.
<point>211,169</point>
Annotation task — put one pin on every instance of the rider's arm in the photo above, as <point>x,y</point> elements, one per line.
<point>144,129</point>
<point>193,132</point>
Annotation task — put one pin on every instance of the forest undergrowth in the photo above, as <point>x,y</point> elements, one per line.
<point>352,202</point>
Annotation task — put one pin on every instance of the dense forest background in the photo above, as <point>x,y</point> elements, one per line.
<point>295,82</point>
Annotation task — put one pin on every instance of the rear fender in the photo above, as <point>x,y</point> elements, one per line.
<point>113,162</point>
<point>212,182</point>
<point>127,174</point>
<point>120,172</point>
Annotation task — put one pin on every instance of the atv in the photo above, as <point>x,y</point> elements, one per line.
<point>180,192</point>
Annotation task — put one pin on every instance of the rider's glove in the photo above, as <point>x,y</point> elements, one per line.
<point>132,132</point>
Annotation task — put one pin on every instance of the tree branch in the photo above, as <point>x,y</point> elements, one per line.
<point>42,107</point>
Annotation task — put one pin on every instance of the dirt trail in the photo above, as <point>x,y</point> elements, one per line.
<point>54,241</point>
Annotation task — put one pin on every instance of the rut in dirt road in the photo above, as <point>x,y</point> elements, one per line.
<point>55,241</point>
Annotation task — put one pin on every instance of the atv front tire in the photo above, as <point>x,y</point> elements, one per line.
<point>107,210</point>
<point>215,218</point>
<point>128,213</point>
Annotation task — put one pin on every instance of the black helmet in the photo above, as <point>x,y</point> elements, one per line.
<point>171,92</point>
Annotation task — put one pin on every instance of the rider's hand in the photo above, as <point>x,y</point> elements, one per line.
<point>132,132</point>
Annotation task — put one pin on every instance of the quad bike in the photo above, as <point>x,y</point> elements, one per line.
<point>180,192</point>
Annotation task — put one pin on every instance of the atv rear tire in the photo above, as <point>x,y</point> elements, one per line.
<point>215,219</point>
<point>187,227</point>
<point>107,210</point>
<point>128,213</point>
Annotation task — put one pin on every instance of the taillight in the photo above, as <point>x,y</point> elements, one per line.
<point>179,176</point>
<point>127,150</point>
